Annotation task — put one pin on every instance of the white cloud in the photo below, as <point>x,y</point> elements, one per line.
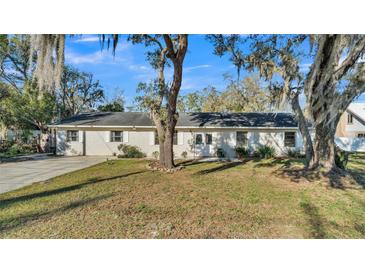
<point>92,58</point>
<point>135,67</point>
<point>97,57</point>
<point>87,39</point>
<point>196,67</point>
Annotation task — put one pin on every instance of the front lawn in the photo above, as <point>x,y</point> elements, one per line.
<point>121,199</point>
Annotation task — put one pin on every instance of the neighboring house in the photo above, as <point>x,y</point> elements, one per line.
<point>352,122</point>
<point>350,131</point>
<point>198,134</point>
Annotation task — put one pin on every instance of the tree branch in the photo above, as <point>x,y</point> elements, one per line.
<point>351,58</point>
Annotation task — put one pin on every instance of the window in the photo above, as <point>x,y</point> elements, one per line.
<point>199,139</point>
<point>289,139</point>
<point>208,139</point>
<point>361,135</point>
<point>72,135</point>
<point>349,119</point>
<point>116,136</point>
<point>157,141</point>
<point>241,138</point>
<point>175,138</point>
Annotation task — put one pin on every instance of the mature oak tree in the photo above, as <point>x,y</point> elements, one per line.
<point>78,92</point>
<point>169,48</point>
<point>276,55</point>
<point>160,97</point>
<point>245,95</point>
<point>335,78</point>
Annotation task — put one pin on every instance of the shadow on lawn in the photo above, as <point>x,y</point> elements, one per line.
<point>17,221</point>
<point>221,167</point>
<point>284,162</point>
<point>191,162</point>
<point>315,220</point>
<point>340,179</point>
<point>9,201</point>
<point>297,175</point>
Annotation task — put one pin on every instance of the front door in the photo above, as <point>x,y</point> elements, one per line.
<point>203,144</point>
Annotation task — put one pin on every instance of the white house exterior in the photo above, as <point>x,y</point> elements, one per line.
<point>197,134</point>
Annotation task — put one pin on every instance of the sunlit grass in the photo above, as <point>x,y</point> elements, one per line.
<point>121,199</point>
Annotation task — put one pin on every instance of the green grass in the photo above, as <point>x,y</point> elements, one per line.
<point>121,199</point>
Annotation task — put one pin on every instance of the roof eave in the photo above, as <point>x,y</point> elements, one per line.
<point>177,127</point>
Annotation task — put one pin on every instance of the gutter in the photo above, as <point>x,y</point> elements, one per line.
<point>177,127</point>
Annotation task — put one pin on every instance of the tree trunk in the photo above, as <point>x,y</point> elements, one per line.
<point>165,137</point>
<point>162,152</point>
<point>324,150</point>
<point>303,128</point>
<point>168,150</point>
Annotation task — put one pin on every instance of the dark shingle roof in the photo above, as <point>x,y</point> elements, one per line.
<point>196,119</point>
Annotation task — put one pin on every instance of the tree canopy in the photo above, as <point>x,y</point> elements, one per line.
<point>334,80</point>
<point>247,95</point>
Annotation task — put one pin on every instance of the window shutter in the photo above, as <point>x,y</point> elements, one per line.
<point>125,136</point>
<point>180,138</point>
<point>151,138</point>
<point>81,136</point>
<point>107,136</point>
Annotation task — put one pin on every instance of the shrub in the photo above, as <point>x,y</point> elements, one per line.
<point>16,149</point>
<point>294,153</point>
<point>155,154</point>
<point>221,153</point>
<point>130,152</point>
<point>341,158</point>
<point>266,152</point>
<point>184,154</point>
<point>5,145</point>
<point>242,152</point>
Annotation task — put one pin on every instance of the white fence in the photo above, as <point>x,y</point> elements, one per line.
<point>351,144</point>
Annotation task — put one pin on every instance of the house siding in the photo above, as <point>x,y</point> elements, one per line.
<point>97,141</point>
<point>349,130</point>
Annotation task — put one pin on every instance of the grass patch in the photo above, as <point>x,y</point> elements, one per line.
<point>249,199</point>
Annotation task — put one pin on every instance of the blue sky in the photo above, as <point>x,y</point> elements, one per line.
<point>129,67</point>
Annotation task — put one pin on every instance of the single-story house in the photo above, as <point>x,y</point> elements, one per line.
<point>197,134</point>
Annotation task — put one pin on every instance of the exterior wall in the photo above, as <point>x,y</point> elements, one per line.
<point>341,126</point>
<point>67,148</point>
<point>355,128</point>
<point>97,141</point>
<point>349,130</point>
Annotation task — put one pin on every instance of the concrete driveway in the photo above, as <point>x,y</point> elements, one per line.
<point>19,174</point>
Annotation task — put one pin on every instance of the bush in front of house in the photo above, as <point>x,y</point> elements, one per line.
<point>221,153</point>
<point>155,154</point>
<point>242,152</point>
<point>184,154</point>
<point>341,158</point>
<point>130,151</point>
<point>266,152</point>
<point>5,145</point>
<point>294,153</point>
<point>19,148</point>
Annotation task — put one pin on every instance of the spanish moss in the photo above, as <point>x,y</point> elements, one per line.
<point>48,51</point>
